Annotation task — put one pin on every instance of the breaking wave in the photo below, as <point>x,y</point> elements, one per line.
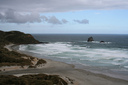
<point>88,54</point>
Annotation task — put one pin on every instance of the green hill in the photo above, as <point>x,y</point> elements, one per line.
<point>17,37</point>
<point>10,58</point>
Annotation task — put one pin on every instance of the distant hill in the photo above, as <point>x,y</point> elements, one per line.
<point>17,37</point>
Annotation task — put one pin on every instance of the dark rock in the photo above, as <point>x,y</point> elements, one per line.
<point>44,42</point>
<point>101,41</point>
<point>90,39</point>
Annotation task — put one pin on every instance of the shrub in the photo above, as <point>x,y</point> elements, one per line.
<point>40,79</point>
<point>41,61</point>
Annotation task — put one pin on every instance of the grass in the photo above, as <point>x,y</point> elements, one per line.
<point>39,79</point>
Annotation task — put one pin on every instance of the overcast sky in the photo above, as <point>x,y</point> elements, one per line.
<point>65,16</point>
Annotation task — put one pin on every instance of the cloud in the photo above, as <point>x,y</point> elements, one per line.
<point>44,18</point>
<point>53,20</point>
<point>61,6</point>
<point>64,21</point>
<point>10,16</point>
<point>28,11</point>
<point>84,21</point>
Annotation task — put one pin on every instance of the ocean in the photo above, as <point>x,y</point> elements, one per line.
<point>109,58</point>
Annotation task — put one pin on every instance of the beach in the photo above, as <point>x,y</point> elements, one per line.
<point>67,72</point>
<point>69,42</point>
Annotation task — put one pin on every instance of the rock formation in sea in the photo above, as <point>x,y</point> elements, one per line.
<point>90,39</point>
<point>101,41</point>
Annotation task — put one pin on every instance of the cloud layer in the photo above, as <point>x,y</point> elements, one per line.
<point>24,11</point>
<point>10,16</point>
<point>61,5</point>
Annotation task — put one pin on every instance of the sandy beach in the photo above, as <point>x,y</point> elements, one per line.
<point>75,76</point>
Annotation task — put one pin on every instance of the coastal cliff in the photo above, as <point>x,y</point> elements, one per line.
<point>11,60</point>
<point>17,37</point>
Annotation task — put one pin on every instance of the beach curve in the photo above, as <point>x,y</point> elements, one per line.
<point>78,76</point>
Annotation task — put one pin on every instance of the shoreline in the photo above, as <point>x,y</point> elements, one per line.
<point>79,76</point>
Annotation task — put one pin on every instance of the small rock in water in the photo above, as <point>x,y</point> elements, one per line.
<point>101,41</point>
<point>90,39</point>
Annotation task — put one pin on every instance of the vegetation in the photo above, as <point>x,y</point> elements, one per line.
<point>41,61</point>
<point>40,79</point>
<point>9,58</point>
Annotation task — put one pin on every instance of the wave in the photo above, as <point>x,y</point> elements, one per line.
<point>98,42</point>
<point>112,58</point>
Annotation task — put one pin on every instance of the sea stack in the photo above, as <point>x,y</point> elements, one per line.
<point>90,39</point>
<point>101,41</point>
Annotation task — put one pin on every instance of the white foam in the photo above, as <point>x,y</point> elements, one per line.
<point>65,50</point>
<point>99,42</point>
<point>126,66</point>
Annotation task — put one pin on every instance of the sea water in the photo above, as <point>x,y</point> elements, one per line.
<point>109,57</point>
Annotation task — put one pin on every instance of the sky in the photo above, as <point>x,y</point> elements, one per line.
<point>65,16</point>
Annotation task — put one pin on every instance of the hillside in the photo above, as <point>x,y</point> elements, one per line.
<point>16,61</point>
<point>39,79</point>
<point>17,37</point>
<point>12,58</point>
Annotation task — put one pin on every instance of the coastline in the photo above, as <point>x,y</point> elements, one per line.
<point>78,76</point>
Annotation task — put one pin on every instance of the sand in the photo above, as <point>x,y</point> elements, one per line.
<point>69,73</point>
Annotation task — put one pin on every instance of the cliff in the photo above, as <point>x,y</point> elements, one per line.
<point>17,37</point>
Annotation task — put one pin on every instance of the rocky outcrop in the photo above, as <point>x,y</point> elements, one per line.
<point>90,39</point>
<point>101,41</point>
